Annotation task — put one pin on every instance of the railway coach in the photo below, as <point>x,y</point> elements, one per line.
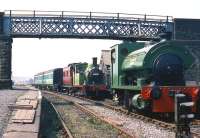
<point>50,80</point>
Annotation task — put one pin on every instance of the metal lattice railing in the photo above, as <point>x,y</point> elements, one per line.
<point>86,25</point>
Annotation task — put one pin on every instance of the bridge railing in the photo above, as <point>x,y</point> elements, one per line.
<point>96,15</point>
<point>94,25</point>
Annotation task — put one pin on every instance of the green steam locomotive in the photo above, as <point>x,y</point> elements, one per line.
<point>146,75</point>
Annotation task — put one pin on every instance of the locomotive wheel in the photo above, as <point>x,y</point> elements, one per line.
<point>70,91</point>
<point>127,101</point>
<point>130,108</point>
<point>198,108</point>
<point>67,91</point>
<point>120,96</point>
<point>84,92</point>
<point>88,93</point>
<point>97,95</point>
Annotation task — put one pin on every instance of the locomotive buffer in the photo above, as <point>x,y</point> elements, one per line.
<point>183,115</point>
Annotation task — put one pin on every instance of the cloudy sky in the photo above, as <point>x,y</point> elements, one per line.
<point>33,55</point>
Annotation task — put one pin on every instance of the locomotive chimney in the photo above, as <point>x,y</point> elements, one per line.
<point>94,61</point>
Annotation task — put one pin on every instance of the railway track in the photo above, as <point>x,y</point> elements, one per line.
<point>195,125</point>
<point>78,101</point>
<point>67,133</point>
<point>195,128</point>
<point>170,126</point>
<point>57,102</point>
<point>165,125</point>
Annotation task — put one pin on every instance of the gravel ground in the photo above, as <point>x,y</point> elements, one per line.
<point>135,127</point>
<point>7,97</point>
<point>81,125</point>
<point>195,129</point>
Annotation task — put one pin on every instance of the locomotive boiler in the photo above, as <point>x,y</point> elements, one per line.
<point>147,75</point>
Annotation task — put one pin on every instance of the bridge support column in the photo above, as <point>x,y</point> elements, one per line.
<point>5,62</point>
<point>5,58</point>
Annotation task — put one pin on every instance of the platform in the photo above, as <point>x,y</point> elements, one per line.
<point>25,119</point>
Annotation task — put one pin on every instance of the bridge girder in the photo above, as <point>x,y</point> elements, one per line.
<point>86,26</point>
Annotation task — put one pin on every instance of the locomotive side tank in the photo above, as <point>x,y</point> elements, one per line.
<point>147,75</point>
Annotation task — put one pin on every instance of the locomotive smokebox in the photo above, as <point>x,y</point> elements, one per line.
<point>94,61</point>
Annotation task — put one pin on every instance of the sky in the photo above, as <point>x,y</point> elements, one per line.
<point>30,56</point>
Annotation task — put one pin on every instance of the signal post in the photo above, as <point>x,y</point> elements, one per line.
<point>183,115</point>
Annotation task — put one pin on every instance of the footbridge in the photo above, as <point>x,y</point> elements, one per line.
<point>94,25</point>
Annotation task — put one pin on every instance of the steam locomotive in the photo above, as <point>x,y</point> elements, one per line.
<point>147,75</point>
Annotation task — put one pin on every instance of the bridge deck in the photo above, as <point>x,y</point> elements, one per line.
<point>93,25</point>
